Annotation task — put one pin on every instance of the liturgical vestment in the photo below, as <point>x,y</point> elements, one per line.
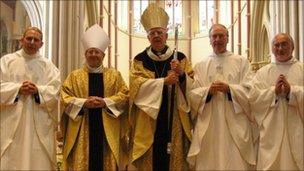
<point>222,138</point>
<point>280,118</point>
<point>92,138</point>
<point>153,125</point>
<point>28,122</point>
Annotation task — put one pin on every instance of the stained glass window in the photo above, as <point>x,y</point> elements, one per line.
<point>206,15</point>
<point>225,13</point>
<point>139,7</point>
<point>122,10</point>
<point>174,10</point>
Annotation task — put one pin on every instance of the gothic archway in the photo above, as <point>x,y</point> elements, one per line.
<point>3,38</point>
<point>259,43</point>
<point>34,11</point>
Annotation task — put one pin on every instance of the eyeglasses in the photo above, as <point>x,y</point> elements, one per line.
<point>93,51</point>
<point>283,45</point>
<point>156,33</point>
<point>220,36</point>
<point>32,39</point>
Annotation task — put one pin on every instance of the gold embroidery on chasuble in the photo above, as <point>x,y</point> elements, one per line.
<point>78,158</point>
<point>139,119</point>
<point>77,135</point>
<point>180,146</point>
<point>116,90</point>
<point>142,147</point>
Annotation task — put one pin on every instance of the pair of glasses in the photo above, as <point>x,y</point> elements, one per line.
<point>156,33</point>
<point>32,39</point>
<point>214,36</point>
<point>94,52</point>
<point>283,45</point>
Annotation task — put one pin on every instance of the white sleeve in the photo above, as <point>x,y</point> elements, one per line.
<point>296,97</point>
<point>9,92</point>
<point>74,107</point>
<point>149,96</point>
<point>197,98</point>
<point>9,86</point>
<point>260,102</point>
<point>182,100</point>
<point>113,107</point>
<point>240,101</point>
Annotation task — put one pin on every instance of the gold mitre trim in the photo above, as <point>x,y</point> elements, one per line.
<point>154,16</point>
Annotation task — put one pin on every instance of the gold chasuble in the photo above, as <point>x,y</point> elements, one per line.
<point>92,138</point>
<point>151,135</point>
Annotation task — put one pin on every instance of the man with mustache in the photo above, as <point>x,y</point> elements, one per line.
<point>222,138</point>
<point>277,103</point>
<point>160,138</point>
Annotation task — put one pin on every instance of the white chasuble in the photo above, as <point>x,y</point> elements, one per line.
<point>280,118</point>
<point>222,138</point>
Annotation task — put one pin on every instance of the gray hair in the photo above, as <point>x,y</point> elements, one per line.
<point>221,25</point>
<point>285,35</point>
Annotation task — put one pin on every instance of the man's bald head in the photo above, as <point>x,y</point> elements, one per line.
<point>286,35</point>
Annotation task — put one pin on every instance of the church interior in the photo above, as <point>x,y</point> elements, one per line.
<point>252,25</point>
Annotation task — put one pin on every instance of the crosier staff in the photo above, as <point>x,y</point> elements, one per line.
<point>170,118</point>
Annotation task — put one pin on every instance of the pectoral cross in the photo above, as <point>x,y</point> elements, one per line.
<point>169,146</point>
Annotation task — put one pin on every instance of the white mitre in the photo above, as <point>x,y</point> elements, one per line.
<point>95,37</point>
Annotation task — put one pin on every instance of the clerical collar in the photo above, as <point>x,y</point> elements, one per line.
<point>290,61</point>
<point>166,53</point>
<point>22,53</point>
<point>161,52</point>
<point>94,70</point>
<point>227,53</point>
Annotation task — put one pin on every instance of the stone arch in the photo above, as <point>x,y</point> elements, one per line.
<point>34,11</point>
<point>259,42</point>
<point>265,45</point>
<point>3,38</point>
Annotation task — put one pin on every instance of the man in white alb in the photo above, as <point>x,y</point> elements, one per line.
<point>222,138</point>
<point>29,90</point>
<point>277,103</point>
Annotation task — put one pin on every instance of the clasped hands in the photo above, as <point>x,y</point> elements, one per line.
<point>174,73</point>
<point>282,86</point>
<point>94,102</point>
<point>218,86</point>
<point>28,88</point>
